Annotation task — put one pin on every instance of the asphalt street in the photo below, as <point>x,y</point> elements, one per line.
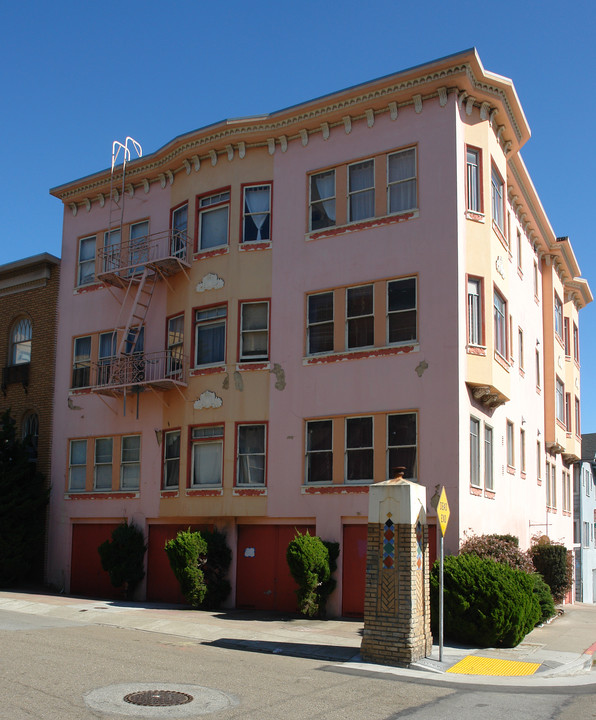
<point>58,668</point>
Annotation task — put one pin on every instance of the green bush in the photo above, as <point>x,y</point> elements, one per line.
<point>502,548</point>
<point>23,500</point>
<point>187,553</point>
<point>553,562</point>
<point>215,569</point>
<point>122,557</point>
<point>543,595</point>
<point>486,604</point>
<point>309,562</point>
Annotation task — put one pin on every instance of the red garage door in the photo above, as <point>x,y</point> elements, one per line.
<point>162,585</point>
<point>263,579</point>
<point>87,577</point>
<point>353,570</point>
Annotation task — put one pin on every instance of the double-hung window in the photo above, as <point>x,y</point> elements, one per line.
<point>402,442</point>
<point>474,451</point>
<point>575,343</point>
<point>522,450</point>
<point>577,418</point>
<point>171,461</point>
<point>138,251</point>
<point>319,451</point>
<point>210,335</point>
<point>175,358</point>
<point>473,179</point>
<point>497,198</point>
<point>359,449</point>
<point>86,269</point>
<point>214,220</point>
<point>106,356</point>
<point>488,458</point>
<point>558,317</point>
<point>254,331</point>
<point>401,181</point>
<point>81,365</point>
<point>77,470</point>
<point>510,442</point>
<point>179,237</point>
<point>130,462</point>
<point>520,348</point>
<point>500,322</point>
<point>474,311</point>
<point>251,455</point>
<point>401,310</point>
<point>322,200</point>
<point>207,455</point>
<point>320,323</point>
<point>111,250</point>
<point>256,223</point>
<point>360,316</point>
<point>361,190</point>
<point>103,463</point>
<point>560,401</point>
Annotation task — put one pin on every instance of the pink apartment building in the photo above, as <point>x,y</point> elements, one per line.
<point>267,315</point>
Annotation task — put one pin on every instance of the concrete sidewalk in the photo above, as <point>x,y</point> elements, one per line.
<point>561,652</point>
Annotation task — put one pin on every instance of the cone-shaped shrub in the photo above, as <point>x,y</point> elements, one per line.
<point>308,560</point>
<point>486,604</point>
<point>552,562</point>
<point>187,552</point>
<point>122,557</point>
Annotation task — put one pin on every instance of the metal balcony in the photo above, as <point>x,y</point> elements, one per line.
<point>163,370</point>
<point>165,253</point>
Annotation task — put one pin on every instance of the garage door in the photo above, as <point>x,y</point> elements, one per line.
<point>353,570</point>
<point>162,585</point>
<point>87,577</point>
<point>263,579</point>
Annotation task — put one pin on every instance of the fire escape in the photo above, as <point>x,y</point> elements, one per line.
<point>131,269</point>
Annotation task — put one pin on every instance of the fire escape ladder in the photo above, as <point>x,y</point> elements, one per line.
<point>138,313</point>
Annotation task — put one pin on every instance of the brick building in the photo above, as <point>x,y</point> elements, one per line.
<point>28,297</point>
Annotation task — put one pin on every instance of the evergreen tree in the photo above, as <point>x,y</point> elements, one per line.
<point>23,500</point>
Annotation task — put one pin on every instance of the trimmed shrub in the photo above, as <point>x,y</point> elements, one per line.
<point>187,553</point>
<point>486,604</point>
<point>308,560</point>
<point>215,569</point>
<point>502,548</point>
<point>543,595</point>
<point>23,500</point>
<point>552,561</point>
<point>122,557</point>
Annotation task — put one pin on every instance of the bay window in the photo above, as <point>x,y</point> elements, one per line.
<point>207,455</point>
<point>361,190</point>
<point>251,455</point>
<point>401,181</point>
<point>256,223</point>
<point>254,331</point>
<point>213,220</point>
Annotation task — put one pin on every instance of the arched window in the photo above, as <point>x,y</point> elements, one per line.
<point>31,433</point>
<point>20,342</point>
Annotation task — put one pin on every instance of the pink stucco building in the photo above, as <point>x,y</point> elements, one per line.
<point>358,283</point>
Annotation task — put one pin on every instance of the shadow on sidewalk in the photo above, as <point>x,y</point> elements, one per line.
<point>330,653</point>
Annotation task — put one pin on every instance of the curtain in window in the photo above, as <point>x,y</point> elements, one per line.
<point>214,228</point>
<point>211,343</point>
<point>362,190</point>
<point>87,261</point>
<point>207,463</point>
<point>325,186</point>
<point>402,181</point>
<point>179,227</point>
<point>254,329</point>
<point>251,455</point>
<point>257,204</point>
<point>172,458</point>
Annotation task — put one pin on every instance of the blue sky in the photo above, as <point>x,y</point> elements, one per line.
<point>75,76</point>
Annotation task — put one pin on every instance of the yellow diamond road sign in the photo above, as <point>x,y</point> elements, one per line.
<point>443,511</point>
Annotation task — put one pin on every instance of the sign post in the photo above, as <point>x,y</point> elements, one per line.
<point>443,518</point>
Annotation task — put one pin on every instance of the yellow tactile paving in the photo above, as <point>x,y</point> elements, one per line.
<point>474,665</point>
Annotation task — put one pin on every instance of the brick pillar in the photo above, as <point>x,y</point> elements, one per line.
<point>396,602</point>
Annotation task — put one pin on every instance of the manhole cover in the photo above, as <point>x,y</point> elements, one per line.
<point>158,698</point>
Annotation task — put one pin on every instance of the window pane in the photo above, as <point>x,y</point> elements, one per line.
<point>78,452</point>
<point>360,316</point>
<point>359,448</point>
<point>401,444</point>
<point>251,455</point>
<point>214,228</point>
<point>172,458</point>
<point>257,214</point>
<point>103,450</point>
<point>362,190</point>
<point>255,335</point>
<point>402,181</point>
<point>211,342</point>
<point>251,439</point>
<point>207,463</point>
<point>131,447</point>
<point>320,323</point>
<point>322,198</point>
<point>401,302</point>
